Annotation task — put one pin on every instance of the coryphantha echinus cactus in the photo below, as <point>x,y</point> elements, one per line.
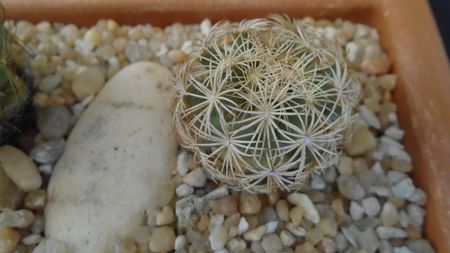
<point>264,103</point>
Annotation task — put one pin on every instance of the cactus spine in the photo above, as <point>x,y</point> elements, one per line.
<point>264,103</point>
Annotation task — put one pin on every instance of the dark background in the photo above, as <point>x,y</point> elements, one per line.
<point>441,10</point>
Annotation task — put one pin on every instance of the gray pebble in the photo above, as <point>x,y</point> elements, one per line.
<point>368,241</point>
<point>356,211</point>
<point>416,215</point>
<point>54,121</point>
<point>48,152</point>
<point>420,245</point>
<point>418,197</point>
<point>371,206</point>
<point>50,83</point>
<point>390,232</point>
<point>402,250</point>
<point>317,182</point>
<point>404,189</point>
<point>135,52</point>
<point>350,187</point>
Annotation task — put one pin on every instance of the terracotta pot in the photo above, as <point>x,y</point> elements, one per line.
<point>408,33</point>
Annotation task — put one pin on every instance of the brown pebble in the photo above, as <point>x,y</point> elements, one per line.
<point>226,205</point>
<point>249,203</point>
<point>282,210</point>
<point>273,197</point>
<point>35,200</point>
<point>203,223</point>
<point>376,66</point>
<point>8,239</point>
<point>40,100</point>
<point>232,221</point>
<point>414,232</point>
<point>177,56</point>
<point>56,100</point>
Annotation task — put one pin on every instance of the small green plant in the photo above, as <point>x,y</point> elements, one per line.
<point>264,103</point>
<point>14,90</point>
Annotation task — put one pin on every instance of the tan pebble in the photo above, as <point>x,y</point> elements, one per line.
<point>376,66</point>
<point>8,239</point>
<point>88,82</point>
<point>255,234</point>
<point>397,201</point>
<point>10,195</point>
<point>165,217</point>
<point>314,236</point>
<point>119,44</point>
<point>282,210</point>
<point>226,205</point>
<point>162,239</point>
<point>252,221</point>
<point>387,82</point>
<point>40,99</point>
<point>372,104</point>
<point>232,221</point>
<point>306,247</point>
<point>414,232</point>
<point>401,165</point>
<point>111,25</point>
<point>249,203</point>
<point>338,207</point>
<point>20,168</point>
<point>328,227</point>
<point>345,165</point>
<point>142,237</point>
<point>296,215</point>
<point>93,37</point>
<point>35,200</point>
<point>387,96</point>
<point>203,223</point>
<point>196,178</point>
<point>273,197</point>
<point>177,56</point>
<point>56,100</point>
<point>361,142</point>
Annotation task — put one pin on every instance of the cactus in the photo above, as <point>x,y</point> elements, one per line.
<point>264,103</point>
<point>14,85</point>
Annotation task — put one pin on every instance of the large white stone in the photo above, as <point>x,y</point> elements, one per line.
<point>117,163</point>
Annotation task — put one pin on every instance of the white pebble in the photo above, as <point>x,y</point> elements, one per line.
<point>389,214</point>
<point>385,232</point>
<point>218,237</point>
<point>369,117</point>
<point>236,245</point>
<point>271,227</point>
<point>287,238</point>
<point>302,200</point>
<point>271,243</point>
<point>182,163</point>
<point>180,241</point>
<point>394,133</point>
<point>184,190</point>
<point>17,219</point>
<point>205,25</point>
<point>296,230</point>
<point>32,239</point>
<point>243,225</point>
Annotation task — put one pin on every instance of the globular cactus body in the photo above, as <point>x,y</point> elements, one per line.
<point>264,103</point>
<point>15,82</point>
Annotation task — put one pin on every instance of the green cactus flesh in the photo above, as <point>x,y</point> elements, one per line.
<point>264,103</point>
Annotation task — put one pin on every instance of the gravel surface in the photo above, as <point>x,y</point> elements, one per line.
<point>368,203</point>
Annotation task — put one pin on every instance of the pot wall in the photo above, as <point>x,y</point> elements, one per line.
<point>408,33</point>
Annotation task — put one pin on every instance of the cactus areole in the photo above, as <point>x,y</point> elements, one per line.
<point>264,103</point>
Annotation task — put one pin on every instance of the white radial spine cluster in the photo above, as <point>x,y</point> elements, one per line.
<point>264,103</point>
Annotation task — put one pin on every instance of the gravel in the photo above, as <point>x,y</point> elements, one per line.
<point>368,203</point>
